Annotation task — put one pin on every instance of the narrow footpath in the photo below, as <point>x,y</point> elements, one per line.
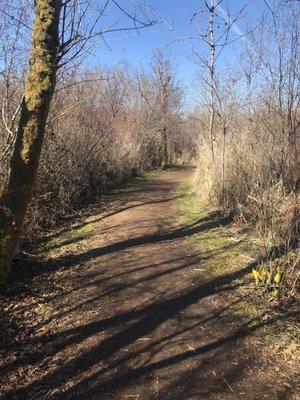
<point>133,318</point>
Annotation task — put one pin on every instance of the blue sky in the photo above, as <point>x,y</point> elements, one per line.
<point>138,48</point>
<point>173,16</point>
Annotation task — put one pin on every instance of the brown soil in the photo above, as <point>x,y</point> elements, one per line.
<point>131,318</point>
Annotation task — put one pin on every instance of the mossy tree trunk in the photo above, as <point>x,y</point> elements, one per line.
<point>37,96</point>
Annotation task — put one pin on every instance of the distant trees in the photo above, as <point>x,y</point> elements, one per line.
<point>217,93</point>
<point>104,125</point>
<point>71,132</point>
<point>163,96</point>
<point>263,95</point>
<point>248,164</point>
<point>62,32</point>
<point>100,132</point>
<point>164,82</point>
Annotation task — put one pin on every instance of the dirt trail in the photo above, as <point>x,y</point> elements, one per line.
<point>139,321</point>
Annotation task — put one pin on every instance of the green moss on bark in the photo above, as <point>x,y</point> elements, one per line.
<point>38,92</point>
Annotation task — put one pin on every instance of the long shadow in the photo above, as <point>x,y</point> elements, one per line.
<point>94,280</point>
<point>141,187</point>
<point>191,228</point>
<point>137,323</point>
<point>116,380</point>
<point>91,389</point>
<point>118,288</point>
<point>173,338</point>
<point>163,309</point>
<point>26,270</point>
<point>120,208</point>
<point>41,268</point>
<point>67,261</point>
<point>115,353</point>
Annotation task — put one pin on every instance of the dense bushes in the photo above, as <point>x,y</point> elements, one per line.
<point>104,127</point>
<point>249,166</point>
<point>259,186</point>
<point>95,145</point>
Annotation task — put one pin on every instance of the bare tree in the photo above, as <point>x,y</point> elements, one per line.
<point>163,79</point>
<point>217,36</point>
<point>167,102</point>
<point>14,34</point>
<point>62,33</point>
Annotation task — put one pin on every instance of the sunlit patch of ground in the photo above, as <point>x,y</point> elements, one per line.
<point>225,249</point>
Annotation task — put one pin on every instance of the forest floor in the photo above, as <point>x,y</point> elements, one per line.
<point>146,300</point>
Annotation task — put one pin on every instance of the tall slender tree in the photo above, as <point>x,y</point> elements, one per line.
<point>168,100</point>
<point>38,91</point>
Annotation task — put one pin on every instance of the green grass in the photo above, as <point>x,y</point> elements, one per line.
<point>133,181</point>
<point>223,247</point>
<point>192,207</point>
<point>75,239</point>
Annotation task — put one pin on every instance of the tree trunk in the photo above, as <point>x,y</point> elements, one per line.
<point>37,96</point>
<point>297,159</point>
<point>165,148</point>
<point>212,71</point>
<point>223,165</point>
<point>211,131</point>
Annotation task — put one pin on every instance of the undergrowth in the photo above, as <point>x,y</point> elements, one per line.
<point>224,248</point>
